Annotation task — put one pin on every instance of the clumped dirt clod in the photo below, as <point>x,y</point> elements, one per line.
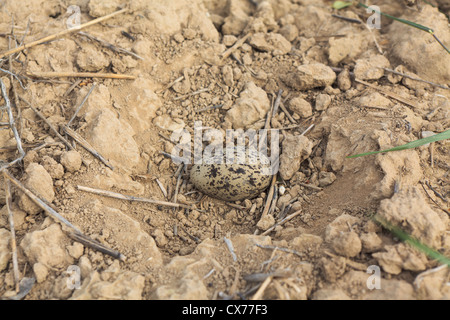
<point>227,64</point>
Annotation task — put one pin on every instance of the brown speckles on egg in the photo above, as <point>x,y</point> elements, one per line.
<point>229,182</point>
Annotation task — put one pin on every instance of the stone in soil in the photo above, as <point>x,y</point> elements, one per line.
<point>38,181</point>
<point>251,106</point>
<point>310,76</point>
<point>409,210</point>
<point>48,247</point>
<point>71,160</point>
<point>295,149</point>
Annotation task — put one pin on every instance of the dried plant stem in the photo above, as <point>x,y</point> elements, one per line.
<point>40,115</point>
<point>277,103</point>
<point>389,94</point>
<point>110,45</point>
<point>310,186</point>
<point>96,245</point>
<point>80,75</point>
<point>289,217</point>
<point>287,250</point>
<point>230,247</point>
<point>191,94</point>
<point>86,145</point>
<point>131,198</point>
<point>44,206</point>
<point>258,295</point>
<point>161,186</point>
<point>60,34</point>
<point>76,234</point>
<point>12,126</point>
<point>269,196</point>
<point>55,131</point>
<point>286,112</point>
<point>235,206</point>
<point>307,129</point>
<point>177,186</point>
<point>170,85</point>
<point>81,105</point>
<point>415,79</point>
<point>236,46</point>
<point>13,233</point>
<point>373,38</point>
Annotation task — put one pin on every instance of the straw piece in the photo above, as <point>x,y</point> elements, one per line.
<point>61,34</point>
<point>96,245</point>
<point>44,206</point>
<point>40,115</point>
<point>191,94</point>
<point>13,234</point>
<point>269,196</point>
<point>416,79</point>
<point>86,145</point>
<point>37,74</point>
<point>389,94</point>
<point>287,250</point>
<point>76,234</point>
<point>289,217</point>
<point>237,45</point>
<point>258,295</point>
<point>12,125</point>
<point>286,112</point>
<point>81,105</point>
<point>131,198</point>
<point>110,45</point>
<point>230,247</point>
<point>277,103</point>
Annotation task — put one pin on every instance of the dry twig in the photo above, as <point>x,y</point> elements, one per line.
<point>389,94</point>
<point>110,45</point>
<point>286,112</point>
<point>60,34</point>
<point>131,198</point>
<point>258,295</point>
<point>230,248</point>
<point>287,250</point>
<point>191,94</point>
<point>88,242</point>
<point>289,217</point>
<point>55,131</point>
<point>236,46</point>
<point>74,135</point>
<point>416,79</point>
<point>81,105</point>
<point>76,234</point>
<point>37,74</point>
<point>13,233</point>
<point>44,206</point>
<point>12,126</point>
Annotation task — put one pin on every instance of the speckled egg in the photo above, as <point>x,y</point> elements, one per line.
<point>235,180</point>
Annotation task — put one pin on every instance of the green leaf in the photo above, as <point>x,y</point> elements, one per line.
<point>410,145</point>
<point>399,233</point>
<point>341,4</point>
<point>409,23</point>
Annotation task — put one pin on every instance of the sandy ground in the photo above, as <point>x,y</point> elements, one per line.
<point>331,249</point>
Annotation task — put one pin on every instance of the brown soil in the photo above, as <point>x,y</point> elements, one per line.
<point>322,253</point>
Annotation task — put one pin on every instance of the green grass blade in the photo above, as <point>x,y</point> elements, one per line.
<point>410,145</point>
<point>399,233</point>
<point>409,23</point>
<point>341,4</point>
